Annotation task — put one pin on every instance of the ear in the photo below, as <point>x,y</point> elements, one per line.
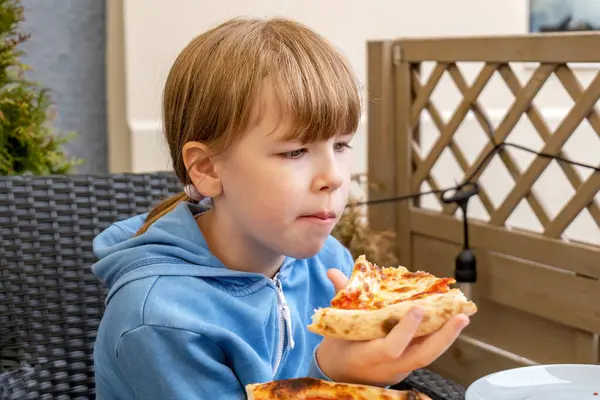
<point>201,169</point>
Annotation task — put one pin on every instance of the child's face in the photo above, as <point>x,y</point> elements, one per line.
<point>284,196</point>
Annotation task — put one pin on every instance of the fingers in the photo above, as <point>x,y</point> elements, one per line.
<point>338,279</point>
<point>403,333</point>
<point>434,345</point>
<point>396,342</point>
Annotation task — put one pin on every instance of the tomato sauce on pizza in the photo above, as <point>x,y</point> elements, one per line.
<point>372,287</point>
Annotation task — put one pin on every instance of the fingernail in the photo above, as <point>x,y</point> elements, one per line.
<point>417,313</point>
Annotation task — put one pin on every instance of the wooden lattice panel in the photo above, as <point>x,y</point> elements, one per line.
<point>584,108</point>
<point>538,290</point>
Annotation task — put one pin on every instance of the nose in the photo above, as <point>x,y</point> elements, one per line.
<point>329,179</point>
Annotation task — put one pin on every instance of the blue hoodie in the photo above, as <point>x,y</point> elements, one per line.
<point>180,325</point>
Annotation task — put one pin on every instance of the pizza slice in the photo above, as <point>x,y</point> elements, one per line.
<point>316,389</point>
<point>375,300</point>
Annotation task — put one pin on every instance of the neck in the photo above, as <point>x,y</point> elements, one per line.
<point>234,249</point>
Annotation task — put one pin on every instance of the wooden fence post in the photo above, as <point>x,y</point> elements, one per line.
<point>381,135</point>
<point>403,149</point>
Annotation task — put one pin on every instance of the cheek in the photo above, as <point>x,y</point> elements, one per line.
<point>259,188</point>
<point>274,177</point>
<point>278,194</point>
<point>346,174</point>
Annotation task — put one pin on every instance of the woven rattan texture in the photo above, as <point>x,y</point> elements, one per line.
<point>433,385</point>
<point>50,303</point>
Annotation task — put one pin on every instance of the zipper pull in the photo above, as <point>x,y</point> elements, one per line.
<point>287,315</point>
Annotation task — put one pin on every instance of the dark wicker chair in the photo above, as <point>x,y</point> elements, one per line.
<point>50,303</point>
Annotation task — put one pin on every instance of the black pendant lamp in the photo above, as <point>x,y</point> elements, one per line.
<point>465,271</point>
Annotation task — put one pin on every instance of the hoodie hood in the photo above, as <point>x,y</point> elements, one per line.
<point>173,245</point>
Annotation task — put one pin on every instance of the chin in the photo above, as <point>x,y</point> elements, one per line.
<point>305,250</point>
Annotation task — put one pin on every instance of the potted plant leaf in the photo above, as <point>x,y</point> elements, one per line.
<point>28,143</point>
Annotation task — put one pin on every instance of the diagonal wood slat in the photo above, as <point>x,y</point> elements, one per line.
<point>416,159</point>
<point>582,107</point>
<point>584,195</point>
<point>505,156</point>
<point>522,102</point>
<point>573,87</point>
<point>437,119</point>
<point>452,145</point>
<point>459,115</point>
<point>423,96</point>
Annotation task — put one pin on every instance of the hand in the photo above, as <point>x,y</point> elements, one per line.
<point>389,360</point>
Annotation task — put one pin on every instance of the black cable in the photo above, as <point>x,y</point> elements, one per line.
<point>465,271</point>
<point>469,180</point>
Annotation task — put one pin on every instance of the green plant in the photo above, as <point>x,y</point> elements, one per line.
<point>27,141</point>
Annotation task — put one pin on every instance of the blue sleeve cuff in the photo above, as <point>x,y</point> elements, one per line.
<point>314,371</point>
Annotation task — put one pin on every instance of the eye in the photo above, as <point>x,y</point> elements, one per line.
<point>293,154</point>
<point>341,146</point>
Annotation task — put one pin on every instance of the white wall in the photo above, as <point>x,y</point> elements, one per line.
<point>154,31</point>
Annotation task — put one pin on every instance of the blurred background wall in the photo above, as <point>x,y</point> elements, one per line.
<point>67,53</point>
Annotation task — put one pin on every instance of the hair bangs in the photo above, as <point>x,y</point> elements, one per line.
<point>317,94</point>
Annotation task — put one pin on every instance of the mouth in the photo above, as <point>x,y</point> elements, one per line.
<point>325,216</point>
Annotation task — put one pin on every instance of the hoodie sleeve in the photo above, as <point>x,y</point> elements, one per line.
<point>346,266</point>
<point>167,363</point>
<point>314,371</point>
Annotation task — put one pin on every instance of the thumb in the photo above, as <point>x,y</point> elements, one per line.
<point>338,279</point>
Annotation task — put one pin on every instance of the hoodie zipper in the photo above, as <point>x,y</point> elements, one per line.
<point>285,324</point>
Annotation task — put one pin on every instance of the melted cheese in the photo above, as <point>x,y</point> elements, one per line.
<point>372,287</point>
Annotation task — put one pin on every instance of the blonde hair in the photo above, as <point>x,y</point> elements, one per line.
<point>213,83</point>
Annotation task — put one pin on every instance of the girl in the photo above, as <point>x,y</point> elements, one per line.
<point>213,289</point>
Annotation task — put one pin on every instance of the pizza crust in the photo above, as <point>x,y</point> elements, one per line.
<point>373,324</point>
<point>303,388</point>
